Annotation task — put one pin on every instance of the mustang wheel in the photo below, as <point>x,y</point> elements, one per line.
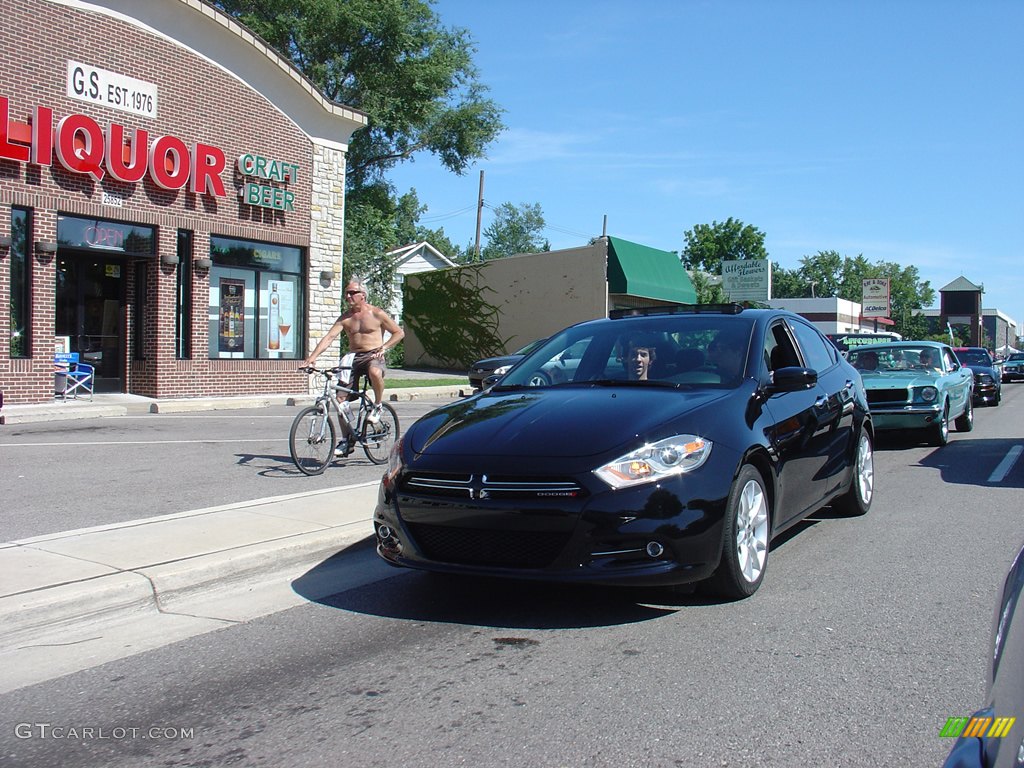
<point>857,500</point>
<point>744,538</point>
<point>940,430</point>
<point>965,421</point>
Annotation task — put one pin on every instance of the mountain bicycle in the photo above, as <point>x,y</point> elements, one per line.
<point>313,437</point>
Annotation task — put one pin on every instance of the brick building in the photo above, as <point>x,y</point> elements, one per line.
<point>171,201</point>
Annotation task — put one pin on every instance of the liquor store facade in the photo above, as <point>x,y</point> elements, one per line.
<point>171,201</point>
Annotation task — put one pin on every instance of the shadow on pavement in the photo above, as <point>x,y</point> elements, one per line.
<point>356,580</point>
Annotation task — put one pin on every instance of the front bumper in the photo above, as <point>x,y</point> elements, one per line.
<point>642,536</point>
<point>904,417</point>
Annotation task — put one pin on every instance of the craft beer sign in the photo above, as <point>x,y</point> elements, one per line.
<point>875,297</point>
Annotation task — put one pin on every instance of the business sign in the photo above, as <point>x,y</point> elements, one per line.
<point>82,145</point>
<point>747,279</point>
<point>875,297</point>
<point>109,89</point>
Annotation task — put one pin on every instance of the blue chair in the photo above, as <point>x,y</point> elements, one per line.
<point>72,378</point>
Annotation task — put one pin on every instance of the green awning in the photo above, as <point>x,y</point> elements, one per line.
<point>638,270</point>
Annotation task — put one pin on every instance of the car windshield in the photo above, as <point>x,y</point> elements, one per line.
<point>973,357</point>
<point>879,357</point>
<point>675,349</point>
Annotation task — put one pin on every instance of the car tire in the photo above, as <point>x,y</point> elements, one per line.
<point>965,421</point>
<point>857,501</point>
<point>940,430</point>
<point>744,538</point>
<point>539,380</point>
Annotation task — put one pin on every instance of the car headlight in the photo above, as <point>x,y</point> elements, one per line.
<point>394,464</point>
<point>501,370</point>
<point>928,394</point>
<point>656,461</point>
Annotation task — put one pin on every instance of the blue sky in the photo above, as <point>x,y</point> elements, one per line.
<point>892,130</point>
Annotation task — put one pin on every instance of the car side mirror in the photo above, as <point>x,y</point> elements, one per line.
<point>792,379</point>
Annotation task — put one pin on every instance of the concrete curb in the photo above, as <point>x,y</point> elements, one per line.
<point>82,587</point>
<point>26,414</point>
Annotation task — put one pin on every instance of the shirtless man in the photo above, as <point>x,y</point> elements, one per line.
<point>364,325</point>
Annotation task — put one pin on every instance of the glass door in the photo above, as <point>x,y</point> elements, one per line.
<point>90,310</point>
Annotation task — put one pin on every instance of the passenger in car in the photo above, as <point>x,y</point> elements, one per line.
<point>866,361</point>
<point>639,357</point>
<point>725,352</point>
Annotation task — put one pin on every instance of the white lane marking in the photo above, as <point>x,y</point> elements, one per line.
<point>1000,472</point>
<point>211,441</point>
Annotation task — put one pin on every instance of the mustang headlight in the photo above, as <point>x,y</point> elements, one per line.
<point>653,462</point>
<point>928,394</point>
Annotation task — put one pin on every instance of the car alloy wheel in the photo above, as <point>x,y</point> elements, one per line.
<point>940,430</point>
<point>965,421</point>
<point>744,538</point>
<point>857,501</point>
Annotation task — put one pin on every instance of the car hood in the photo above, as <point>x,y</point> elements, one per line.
<point>990,370</point>
<point>556,422</point>
<point>898,379</point>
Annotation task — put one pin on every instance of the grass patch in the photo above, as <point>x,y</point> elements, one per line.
<point>440,382</point>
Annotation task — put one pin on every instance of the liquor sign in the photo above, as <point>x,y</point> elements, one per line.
<point>81,145</point>
<point>875,297</point>
<point>747,279</point>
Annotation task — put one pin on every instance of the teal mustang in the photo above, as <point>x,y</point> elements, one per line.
<point>915,385</point>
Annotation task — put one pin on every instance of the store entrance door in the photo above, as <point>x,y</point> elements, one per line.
<point>91,299</point>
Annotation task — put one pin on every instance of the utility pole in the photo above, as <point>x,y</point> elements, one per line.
<point>479,214</point>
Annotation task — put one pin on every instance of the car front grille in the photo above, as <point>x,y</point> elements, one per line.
<point>468,486</point>
<point>500,548</point>
<point>887,396</point>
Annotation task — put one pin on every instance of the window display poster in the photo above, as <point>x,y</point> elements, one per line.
<point>231,336</point>
<point>281,316</point>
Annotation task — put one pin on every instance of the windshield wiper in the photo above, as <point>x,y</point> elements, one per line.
<point>629,383</point>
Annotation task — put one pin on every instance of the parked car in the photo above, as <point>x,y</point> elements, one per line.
<point>495,367</point>
<point>988,382</point>
<point>990,739</point>
<point>680,446</point>
<point>916,385</point>
<point>1013,367</point>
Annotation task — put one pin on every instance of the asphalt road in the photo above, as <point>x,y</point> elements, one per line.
<point>64,475</point>
<point>867,634</point>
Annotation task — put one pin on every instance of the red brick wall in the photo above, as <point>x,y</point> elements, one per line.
<point>198,102</point>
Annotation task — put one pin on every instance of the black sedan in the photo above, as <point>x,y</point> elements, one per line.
<point>993,737</point>
<point>494,367</point>
<point>686,439</point>
<point>988,383</point>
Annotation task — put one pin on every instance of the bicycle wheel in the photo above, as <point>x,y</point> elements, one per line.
<point>311,440</point>
<point>377,439</point>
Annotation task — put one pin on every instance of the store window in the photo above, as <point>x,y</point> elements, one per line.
<point>21,297</point>
<point>183,303</point>
<point>257,300</point>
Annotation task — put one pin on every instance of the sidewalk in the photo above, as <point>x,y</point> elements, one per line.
<point>124,404</point>
<point>62,594</point>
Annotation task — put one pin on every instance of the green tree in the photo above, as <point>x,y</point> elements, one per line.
<point>393,60</point>
<point>514,230</point>
<point>706,246</point>
<point>841,277</point>
<point>416,81</point>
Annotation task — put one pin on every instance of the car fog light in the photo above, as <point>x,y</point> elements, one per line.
<point>654,549</point>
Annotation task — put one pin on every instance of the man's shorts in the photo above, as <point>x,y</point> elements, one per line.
<point>361,366</point>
